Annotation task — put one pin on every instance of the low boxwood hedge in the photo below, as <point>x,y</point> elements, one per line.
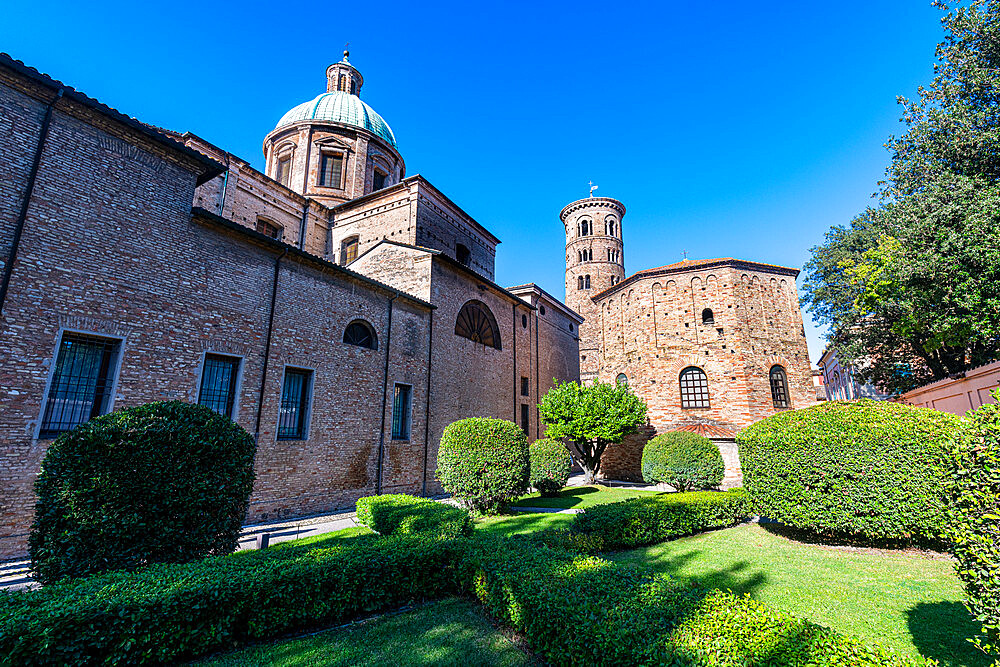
<point>640,521</point>
<point>171,612</point>
<point>406,515</point>
<point>869,469</point>
<point>972,492</point>
<point>583,610</point>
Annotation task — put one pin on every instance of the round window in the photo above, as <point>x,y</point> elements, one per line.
<point>621,379</point>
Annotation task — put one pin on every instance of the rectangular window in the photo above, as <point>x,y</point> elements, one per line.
<point>401,412</point>
<point>218,383</point>
<point>81,383</point>
<point>293,414</point>
<point>525,418</point>
<point>331,168</point>
<point>524,386</point>
<point>283,172</point>
<point>378,180</point>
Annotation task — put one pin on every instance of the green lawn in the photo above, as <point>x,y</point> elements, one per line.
<point>582,497</point>
<point>906,601</point>
<point>450,632</point>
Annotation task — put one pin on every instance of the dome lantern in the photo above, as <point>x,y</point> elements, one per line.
<point>344,77</point>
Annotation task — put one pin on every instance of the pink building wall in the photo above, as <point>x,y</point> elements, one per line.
<point>958,395</point>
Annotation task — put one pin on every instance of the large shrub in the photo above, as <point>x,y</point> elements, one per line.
<point>484,463</point>
<point>640,521</point>
<point>864,468</point>
<point>972,493</point>
<point>406,515</point>
<point>163,482</point>
<point>550,464</point>
<point>685,461</point>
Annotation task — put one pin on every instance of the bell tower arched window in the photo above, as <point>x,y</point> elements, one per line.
<point>579,282</point>
<point>779,387</point>
<point>707,316</point>
<point>586,282</point>
<point>694,388</point>
<point>586,227</point>
<point>476,322</point>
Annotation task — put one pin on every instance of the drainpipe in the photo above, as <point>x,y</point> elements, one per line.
<point>303,226</point>
<point>538,387</point>
<point>427,408</point>
<point>29,190</point>
<point>267,343</point>
<point>225,185</point>
<point>385,389</point>
<point>513,338</point>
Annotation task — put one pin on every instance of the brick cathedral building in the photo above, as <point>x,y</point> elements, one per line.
<point>342,311</point>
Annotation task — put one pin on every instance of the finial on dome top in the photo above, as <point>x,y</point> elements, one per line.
<point>346,52</point>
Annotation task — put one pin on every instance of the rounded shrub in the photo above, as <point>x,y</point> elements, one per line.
<point>550,464</point>
<point>163,482</point>
<point>484,463</point>
<point>685,461</point>
<point>972,494</point>
<point>869,469</point>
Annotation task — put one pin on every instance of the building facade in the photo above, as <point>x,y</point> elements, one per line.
<point>840,382</point>
<point>711,345</point>
<point>342,312</point>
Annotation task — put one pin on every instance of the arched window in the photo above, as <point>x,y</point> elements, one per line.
<point>579,282</point>
<point>586,228</point>
<point>586,282</point>
<point>476,322</point>
<point>360,333</point>
<point>779,387</point>
<point>610,226</point>
<point>348,250</point>
<point>621,379</point>
<point>707,316</point>
<point>343,83</point>
<point>462,254</point>
<point>694,388</point>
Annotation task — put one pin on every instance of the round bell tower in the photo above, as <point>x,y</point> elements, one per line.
<point>595,261</point>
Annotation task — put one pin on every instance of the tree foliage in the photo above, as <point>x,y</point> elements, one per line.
<point>589,418</point>
<point>911,287</point>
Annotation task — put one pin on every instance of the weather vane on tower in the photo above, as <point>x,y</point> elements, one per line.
<point>592,188</point>
<point>346,52</point>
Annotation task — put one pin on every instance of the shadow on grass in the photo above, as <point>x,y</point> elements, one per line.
<point>741,578</point>
<point>567,498</point>
<point>808,537</point>
<point>941,631</point>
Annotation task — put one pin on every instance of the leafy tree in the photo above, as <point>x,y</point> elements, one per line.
<point>910,288</point>
<point>589,418</point>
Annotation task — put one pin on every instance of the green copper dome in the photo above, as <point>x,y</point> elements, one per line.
<point>340,107</point>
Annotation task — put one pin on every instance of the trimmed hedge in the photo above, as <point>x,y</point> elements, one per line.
<point>864,468</point>
<point>402,514</point>
<point>583,610</point>
<point>640,521</point>
<point>171,612</point>
<point>972,493</point>
<point>550,465</point>
<point>165,482</point>
<point>685,461</point>
<point>484,463</point>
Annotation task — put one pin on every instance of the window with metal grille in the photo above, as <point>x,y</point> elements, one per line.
<point>283,171</point>
<point>360,333</point>
<point>331,170</point>
<point>401,412</point>
<point>525,418</point>
<point>779,387</point>
<point>524,386</point>
<point>694,388</point>
<point>81,383</point>
<point>378,180</point>
<point>293,413</point>
<point>476,322</point>
<point>349,250</point>
<point>218,383</point>
<point>268,228</point>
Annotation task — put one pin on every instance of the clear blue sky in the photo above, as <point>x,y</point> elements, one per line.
<point>727,128</point>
